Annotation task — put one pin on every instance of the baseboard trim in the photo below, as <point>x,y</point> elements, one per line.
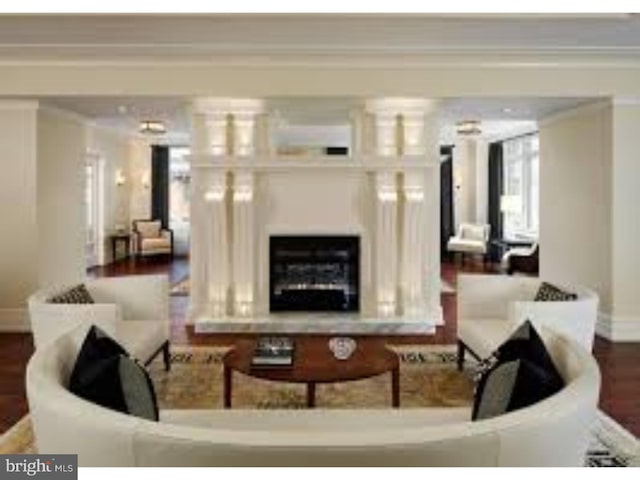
<point>14,320</point>
<point>618,329</point>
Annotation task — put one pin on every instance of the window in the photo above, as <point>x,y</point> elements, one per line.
<point>520,200</point>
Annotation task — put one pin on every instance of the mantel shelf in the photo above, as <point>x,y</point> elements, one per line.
<point>363,163</point>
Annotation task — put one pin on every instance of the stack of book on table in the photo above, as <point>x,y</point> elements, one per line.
<point>273,352</point>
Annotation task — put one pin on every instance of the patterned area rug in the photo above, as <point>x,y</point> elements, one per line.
<point>428,378</point>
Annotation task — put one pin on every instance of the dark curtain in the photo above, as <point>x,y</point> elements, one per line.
<point>495,192</point>
<point>160,184</point>
<point>447,225</point>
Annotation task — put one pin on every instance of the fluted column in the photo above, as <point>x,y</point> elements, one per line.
<point>413,246</point>
<point>217,250</point>
<point>243,244</point>
<point>386,243</point>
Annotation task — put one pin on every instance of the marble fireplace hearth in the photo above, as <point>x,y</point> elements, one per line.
<point>376,210</point>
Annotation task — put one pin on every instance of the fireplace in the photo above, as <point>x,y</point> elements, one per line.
<point>314,273</point>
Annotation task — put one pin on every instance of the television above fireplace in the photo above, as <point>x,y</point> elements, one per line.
<point>314,273</point>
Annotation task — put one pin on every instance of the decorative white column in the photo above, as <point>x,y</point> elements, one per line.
<point>243,244</point>
<point>217,134</point>
<point>221,127</point>
<point>432,282</point>
<point>413,247</point>
<point>386,243</point>
<point>413,135</point>
<point>243,133</point>
<point>217,251</point>
<point>386,124</point>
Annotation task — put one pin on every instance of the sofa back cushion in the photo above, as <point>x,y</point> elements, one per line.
<point>148,229</point>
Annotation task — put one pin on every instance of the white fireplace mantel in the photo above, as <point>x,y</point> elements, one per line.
<point>386,191</point>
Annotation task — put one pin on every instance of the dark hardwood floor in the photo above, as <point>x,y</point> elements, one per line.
<point>620,363</point>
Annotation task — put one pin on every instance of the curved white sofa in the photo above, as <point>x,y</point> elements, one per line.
<point>554,432</point>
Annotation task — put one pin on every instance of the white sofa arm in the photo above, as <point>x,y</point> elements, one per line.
<point>141,297</point>
<point>488,296</point>
<point>575,319</point>
<point>51,320</point>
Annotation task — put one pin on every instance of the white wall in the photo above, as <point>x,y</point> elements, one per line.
<point>61,142</point>
<point>139,171</point>
<point>625,302</point>
<point>18,242</point>
<point>482,181</point>
<point>113,150</point>
<point>464,181</point>
<point>575,199</point>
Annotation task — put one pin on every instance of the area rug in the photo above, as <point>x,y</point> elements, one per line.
<point>428,378</point>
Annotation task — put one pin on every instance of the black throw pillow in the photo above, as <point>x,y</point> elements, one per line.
<point>525,343</point>
<point>550,293</point>
<point>519,373</point>
<point>512,385</point>
<point>104,374</point>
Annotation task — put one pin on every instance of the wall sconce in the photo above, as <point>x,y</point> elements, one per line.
<point>120,178</point>
<point>146,180</point>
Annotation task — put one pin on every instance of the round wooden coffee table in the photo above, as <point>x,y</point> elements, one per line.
<point>314,363</point>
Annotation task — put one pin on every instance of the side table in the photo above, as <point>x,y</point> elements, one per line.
<point>120,237</point>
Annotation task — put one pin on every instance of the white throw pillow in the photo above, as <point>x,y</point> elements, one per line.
<point>473,232</point>
<point>149,229</point>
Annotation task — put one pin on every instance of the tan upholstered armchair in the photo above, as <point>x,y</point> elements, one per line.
<point>150,238</point>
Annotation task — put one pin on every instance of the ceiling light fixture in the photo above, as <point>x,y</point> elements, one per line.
<point>155,127</point>
<point>468,127</point>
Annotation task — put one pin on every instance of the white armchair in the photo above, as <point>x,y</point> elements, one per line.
<point>491,307</point>
<point>471,239</point>
<point>149,238</point>
<point>133,309</point>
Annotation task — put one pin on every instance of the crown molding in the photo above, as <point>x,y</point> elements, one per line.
<point>323,57</point>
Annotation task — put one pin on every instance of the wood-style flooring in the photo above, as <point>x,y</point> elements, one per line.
<point>620,363</point>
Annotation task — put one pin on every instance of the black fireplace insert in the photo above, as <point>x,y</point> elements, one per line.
<point>314,273</point>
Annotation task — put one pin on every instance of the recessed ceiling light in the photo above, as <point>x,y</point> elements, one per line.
<point>507,110</point>
<point>155,127</point>
<point>122,109</point>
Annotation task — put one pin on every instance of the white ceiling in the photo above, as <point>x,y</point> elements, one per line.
<point>124,113</point>
<point>204,35</point>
